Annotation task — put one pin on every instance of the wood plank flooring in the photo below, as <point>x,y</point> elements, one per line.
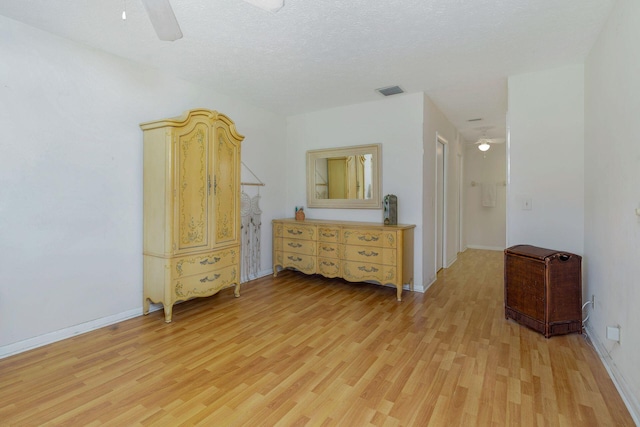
<point>302,350</point>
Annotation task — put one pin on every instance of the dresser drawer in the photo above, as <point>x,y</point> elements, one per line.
<point>390,239</point>
<point>329,234</point>
<point>197,264</point>
<point>328,250</point>
<point>204,284</point>
<point>302,262</point>
<point>299,246</point>
<point>362,271</point>
<point>329,267</point>
<point>370,254</point>
<point>295,231</point>
<point>363,237</point>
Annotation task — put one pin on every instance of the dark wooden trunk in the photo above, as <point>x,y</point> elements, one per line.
<point>543,289</point>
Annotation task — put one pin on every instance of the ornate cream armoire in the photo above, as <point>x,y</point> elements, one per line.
<point>191,208</point>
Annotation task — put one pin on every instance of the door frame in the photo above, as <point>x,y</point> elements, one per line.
<point>460,202</point>
<point>440,140</point>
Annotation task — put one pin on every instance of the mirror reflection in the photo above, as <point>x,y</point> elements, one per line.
<point>344,177</point>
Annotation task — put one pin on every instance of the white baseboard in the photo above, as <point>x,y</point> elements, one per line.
<point>416,288</point>
<point>618,380</point>
<point>59,335</point>
<point>449,264</point>
<point>51,337</point>
<point>258,275</point>
<point>428,285</point>
<point>486,248</point>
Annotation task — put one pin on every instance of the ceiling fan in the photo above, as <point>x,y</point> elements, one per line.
<point>485,143</point>
<point>166,25</point>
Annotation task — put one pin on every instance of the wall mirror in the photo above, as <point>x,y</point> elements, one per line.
<point>345,177</point>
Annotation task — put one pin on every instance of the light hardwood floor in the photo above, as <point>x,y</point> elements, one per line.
<point>302,350</point>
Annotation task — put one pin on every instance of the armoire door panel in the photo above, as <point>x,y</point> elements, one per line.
<point>226,184</point>
<point>192,192</point>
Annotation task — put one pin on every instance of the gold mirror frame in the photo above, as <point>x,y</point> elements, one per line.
<point>375,202</point>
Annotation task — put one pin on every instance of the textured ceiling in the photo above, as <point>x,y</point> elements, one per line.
<point>316,54</point>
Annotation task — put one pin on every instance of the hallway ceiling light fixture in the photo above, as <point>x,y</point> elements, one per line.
<point>484,146</point>
<point>483,142</point>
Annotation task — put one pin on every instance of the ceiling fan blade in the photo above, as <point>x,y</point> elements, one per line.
<point>268,5</point>
<point>490,141</point>
<point>163,19</point>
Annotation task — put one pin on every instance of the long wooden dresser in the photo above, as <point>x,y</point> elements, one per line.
<point>355,251</point>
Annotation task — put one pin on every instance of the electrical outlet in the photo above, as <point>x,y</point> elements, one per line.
<point>613,333</point>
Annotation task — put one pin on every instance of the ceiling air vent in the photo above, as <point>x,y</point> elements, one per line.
<point>390,90</point>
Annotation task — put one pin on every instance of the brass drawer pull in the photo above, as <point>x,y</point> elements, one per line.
<point>330,264</point>
<point>294,245</point>
<point>207,279</point>
<point>328,235</point>
<point>298,259</point>
<point>371,270</point>
<point>326,249</point>
<point>296,232</point>
<point>371,253</point>
<point>207,261</point>
<point>368,238</point>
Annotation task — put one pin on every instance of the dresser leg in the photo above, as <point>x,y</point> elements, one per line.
<point>168,311</point>
<point>399,292</point>
<point>236,292</point>
<point>145,306</point>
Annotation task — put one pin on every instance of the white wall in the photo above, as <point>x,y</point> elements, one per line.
<point>612,181</point>
<point>71,173</point>
<point>436,123</point>
<point>394,122</point>
<point>546,156</point>
<point>485,227</point>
